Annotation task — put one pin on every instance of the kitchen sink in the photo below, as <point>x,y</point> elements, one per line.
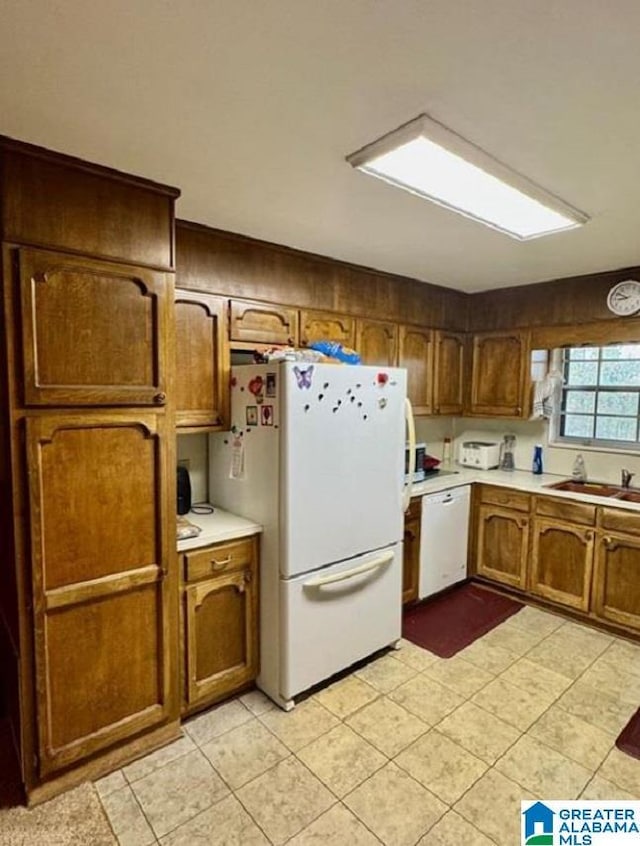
<point>629,496</point>
<point>597,489</point>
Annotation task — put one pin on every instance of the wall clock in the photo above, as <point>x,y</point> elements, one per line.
<point>624,298</point>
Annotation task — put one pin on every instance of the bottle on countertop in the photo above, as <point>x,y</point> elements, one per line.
<point>537,459</point>
<point>446,451</point>
<point>579,472</point>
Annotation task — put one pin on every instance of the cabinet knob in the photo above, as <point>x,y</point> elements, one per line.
<point>588,536</point>
<point>220,563</point>
<point>523,524</point>
<point>519,409</point>
<point>608,542</point>
<point>160,398</point>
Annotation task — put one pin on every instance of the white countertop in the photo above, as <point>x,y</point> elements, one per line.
<point>521,480</point>
<point>222,526</point>
<point>216,527</point>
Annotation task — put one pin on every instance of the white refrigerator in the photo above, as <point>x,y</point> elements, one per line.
<point>316,455</point>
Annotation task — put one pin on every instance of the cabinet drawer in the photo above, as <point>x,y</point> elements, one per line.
<point>617,520</point>
<point>221,558</point>
<point>506,497</point>
<point>573,512</point>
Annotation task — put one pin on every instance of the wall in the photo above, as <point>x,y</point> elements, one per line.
<point>570,301</point>
<point>601,466</point>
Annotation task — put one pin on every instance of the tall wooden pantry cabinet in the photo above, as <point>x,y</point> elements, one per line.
<point>88,578</point>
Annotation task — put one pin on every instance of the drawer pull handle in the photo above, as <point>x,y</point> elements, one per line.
<point>160,398</point>
<point>221,563</point>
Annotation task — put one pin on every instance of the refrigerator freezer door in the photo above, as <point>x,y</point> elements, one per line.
<point>342,462</point>
<point>337,616</point>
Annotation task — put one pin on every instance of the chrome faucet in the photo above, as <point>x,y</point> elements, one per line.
<point>626,478</point>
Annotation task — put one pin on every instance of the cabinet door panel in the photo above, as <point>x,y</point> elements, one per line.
<point>561,562</point>
<point>377,342</point>
<point>498,375</point>
<point>448,373</point>
<point>617,581</point>
<point>326,326</point>
<point>222,647</point>
<point>264,323</point>
<point>502,547</point>
<point>104,594</point>
<point>97,660</point>
<point>93,333</point>
<point>415,352</point>
<point>411,559</point>
<point>202,361</point>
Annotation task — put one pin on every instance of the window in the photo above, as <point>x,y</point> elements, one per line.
<point>601,396</point>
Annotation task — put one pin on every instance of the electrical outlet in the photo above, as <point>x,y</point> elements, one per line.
<point>184,462</point>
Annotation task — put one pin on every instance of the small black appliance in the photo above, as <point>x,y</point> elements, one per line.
<point>184,490</point>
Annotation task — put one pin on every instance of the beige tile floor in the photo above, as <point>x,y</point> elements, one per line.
<point>410,749</point>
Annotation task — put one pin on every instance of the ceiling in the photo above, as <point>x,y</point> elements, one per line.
<point>250,106</point>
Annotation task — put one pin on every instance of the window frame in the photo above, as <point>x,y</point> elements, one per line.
<point>557,438</point>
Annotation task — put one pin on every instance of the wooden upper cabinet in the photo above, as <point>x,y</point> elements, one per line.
<point>616,582</point>
<point>101,499</point>
<point>499,371</point>
<point>202,361</point>
<point>326,326</point>
<point>377,342</point>
<point>448,372</point>
<point>263,323</point>
<point>56,202</point>
<point>415,352</point>
<point>562,562</point>
<point>93,333</point>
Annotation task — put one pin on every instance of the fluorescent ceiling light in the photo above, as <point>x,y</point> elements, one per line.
<point>426,158</point>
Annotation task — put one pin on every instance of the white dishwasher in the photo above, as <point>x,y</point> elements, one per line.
<point>444,530</point>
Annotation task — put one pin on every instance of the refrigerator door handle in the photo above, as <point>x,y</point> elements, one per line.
<point>349,574</point>
<point>411,435</point>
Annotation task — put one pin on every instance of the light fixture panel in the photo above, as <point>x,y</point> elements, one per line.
<point>428,159</point>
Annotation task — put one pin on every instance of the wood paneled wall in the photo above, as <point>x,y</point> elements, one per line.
<point>237,266</point>
<point>569,302</point>
<point>52,200</point>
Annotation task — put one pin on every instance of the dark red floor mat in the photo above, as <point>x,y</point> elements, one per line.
<point>629,738</point>
<point>448,623</point>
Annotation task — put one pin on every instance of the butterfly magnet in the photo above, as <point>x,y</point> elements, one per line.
<point>303,376</point>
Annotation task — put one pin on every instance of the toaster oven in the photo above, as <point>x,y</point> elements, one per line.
<point>483,455</point>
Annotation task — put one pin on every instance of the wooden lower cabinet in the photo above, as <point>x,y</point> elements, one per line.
<point>411,552</point>
<point>220,621</point>
<point>502,545</point>
<point>104,592</point>
<point>562,562</point>
<point>616,582</point>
